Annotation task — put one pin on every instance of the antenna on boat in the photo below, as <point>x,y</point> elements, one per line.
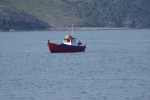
<point>72,29</point>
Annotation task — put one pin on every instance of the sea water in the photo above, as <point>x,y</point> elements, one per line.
<point>115,66</point>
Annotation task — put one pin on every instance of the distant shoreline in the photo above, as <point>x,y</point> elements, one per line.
<point>75,29</point>
<point>86,28</point>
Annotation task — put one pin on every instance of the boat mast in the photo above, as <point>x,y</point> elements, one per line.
<point>72,29</point>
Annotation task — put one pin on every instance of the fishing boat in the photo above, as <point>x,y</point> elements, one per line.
<point>70,44</point>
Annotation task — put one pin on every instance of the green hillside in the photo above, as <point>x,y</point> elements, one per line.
<point>87,13</point>
<point>14,18</point>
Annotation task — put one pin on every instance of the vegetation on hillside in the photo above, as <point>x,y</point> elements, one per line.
<point>113,13</point>
<point>12,19</point>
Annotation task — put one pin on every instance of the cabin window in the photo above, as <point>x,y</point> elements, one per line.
<point>66,40</point>
<point>73,40</point>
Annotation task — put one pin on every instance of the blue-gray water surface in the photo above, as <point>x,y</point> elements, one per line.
<point>115,66</point>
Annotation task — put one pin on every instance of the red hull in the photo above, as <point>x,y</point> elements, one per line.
<point>55,48</point>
